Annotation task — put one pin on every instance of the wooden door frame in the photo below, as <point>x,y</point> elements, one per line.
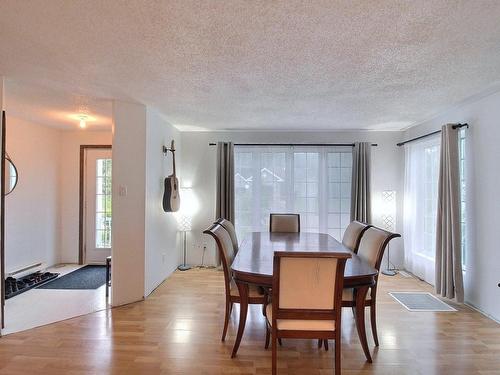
<point>83,149</point>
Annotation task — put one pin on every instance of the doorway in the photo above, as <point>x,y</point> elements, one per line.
<point>45,202</point>
<point>96,210</point>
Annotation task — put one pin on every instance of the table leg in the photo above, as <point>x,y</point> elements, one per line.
<point>359,315</point>
<point>243,290</point>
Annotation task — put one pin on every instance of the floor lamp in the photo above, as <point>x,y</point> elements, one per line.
<point>389,223</point>
<point>184,226</point>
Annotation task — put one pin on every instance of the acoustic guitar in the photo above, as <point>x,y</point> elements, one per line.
<point>171,198</point>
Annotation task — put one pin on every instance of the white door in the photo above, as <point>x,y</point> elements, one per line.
<point>97,205</point>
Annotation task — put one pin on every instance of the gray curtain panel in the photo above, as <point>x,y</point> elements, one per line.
<point>225,184</point>
<point>361,184</point>
<point>449,279</point>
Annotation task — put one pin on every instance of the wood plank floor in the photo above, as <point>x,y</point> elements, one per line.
<point>177,331</point>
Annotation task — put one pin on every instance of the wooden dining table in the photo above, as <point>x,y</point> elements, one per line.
<point>253,264</point>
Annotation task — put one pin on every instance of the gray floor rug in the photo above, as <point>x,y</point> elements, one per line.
<point>88,277</point>
<point>420,301</point>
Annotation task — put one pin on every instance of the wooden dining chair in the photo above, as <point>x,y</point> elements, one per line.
<point>353,233</point>
<point>227,253</point>
<point>371,249</point>
<point>351,239</point>
<point>286,223</point>
<point>227,225</point>
<point>306,299</point>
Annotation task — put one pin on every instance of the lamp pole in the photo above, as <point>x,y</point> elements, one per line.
<point>184,220</point>
<point>184,266</point>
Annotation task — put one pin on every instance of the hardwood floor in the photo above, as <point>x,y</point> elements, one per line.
<point>177,331</point>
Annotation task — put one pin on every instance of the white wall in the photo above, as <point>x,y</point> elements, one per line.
<point>129,173</point>
<point>145,250</point>
<point>32,209</point>
<point>199,171</point>
<point>162,237</point>
<point>69,194</point>
<point>483,206</point>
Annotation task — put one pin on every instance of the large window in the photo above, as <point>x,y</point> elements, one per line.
<point>314,182</point>
<point>420,206</point>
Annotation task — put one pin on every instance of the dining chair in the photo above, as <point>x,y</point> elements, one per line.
<point>227,225</point>
<point>371,249</point>
<point>350,239</point>
<point>306,299</point>
<point>227,254</point>
<point>289,223</point>
<point>353,233</point>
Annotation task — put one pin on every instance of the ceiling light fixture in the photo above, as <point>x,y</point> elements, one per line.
<point>83,121</point>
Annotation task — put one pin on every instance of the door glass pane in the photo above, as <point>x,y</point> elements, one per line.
<point>103,204</point>
<point>463,196</point>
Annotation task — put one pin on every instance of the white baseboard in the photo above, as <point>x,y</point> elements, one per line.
<point>482,312</point>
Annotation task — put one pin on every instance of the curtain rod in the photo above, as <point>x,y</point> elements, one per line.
<point>457,126</point>
<point>292,144</point>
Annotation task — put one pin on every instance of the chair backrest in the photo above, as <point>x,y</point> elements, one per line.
<point>289,223</point>
<point>225,249</point>
<point>308,285</point>
<point>227,225</point>
<point>353,233</point>
<point>372,245</point>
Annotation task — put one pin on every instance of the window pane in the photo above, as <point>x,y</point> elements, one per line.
<point>346,160</point>
<point>334,159</point>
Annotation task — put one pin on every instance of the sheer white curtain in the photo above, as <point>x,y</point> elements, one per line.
<point>420,206</point>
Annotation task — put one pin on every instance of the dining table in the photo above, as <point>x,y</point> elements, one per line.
<point>253,264</point>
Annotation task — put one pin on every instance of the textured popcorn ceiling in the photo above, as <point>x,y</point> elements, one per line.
<point>260,64</point>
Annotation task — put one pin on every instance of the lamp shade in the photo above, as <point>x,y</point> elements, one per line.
<point>184,223</point>
<point>187,209</point>
<point>389,209</point>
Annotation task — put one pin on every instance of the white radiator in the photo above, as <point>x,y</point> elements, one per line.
<point>26,270</point>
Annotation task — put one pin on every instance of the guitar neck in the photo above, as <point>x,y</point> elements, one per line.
<point>173,161</point>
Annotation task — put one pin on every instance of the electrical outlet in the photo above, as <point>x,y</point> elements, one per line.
<point>164,258</point>
<point>122,190</point>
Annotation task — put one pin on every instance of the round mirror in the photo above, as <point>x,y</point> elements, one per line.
<point>10,176</point>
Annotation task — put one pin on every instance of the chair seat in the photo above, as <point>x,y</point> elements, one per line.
<point>300,325</point>
<point>348,295</point>
<point>253,290</point>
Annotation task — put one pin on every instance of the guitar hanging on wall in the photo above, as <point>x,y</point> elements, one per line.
<point>171,198</point>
